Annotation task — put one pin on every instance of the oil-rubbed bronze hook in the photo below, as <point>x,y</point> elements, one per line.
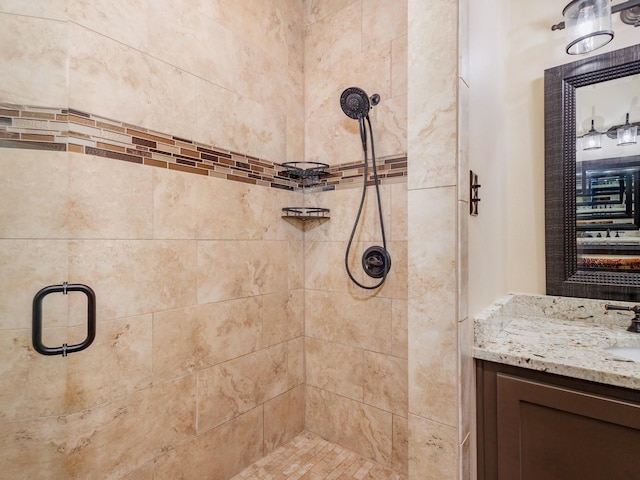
<point>36,335</point>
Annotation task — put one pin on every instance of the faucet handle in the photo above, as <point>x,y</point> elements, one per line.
<point>635,308</point>
<point>635,322</point>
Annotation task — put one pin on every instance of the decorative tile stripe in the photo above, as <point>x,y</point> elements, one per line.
<point>348,175</point>
<point>65,129</point>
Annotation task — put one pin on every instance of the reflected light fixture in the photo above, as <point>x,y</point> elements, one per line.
<point>588,23</point>
<point>627,133</point>
<point>592,139</point>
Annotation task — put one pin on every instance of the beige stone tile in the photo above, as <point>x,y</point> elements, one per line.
<point>237,386</point>
<point>433,358</point>
<point>293,12</point>
<point>467,401</point>
<point>273,226</point>
<point>52,9</point>
<point>400,451</point>
<point>399,66</point>
<point>463,260</point>
<point>234,210</point>
<point>432,324</point>
<point>341,30</point>
<point>385,382</point>
<point>143,473</point>
<point>324,267</point>
<point>119,437</point>
<point>398,230</point>
<point>98,64</point>
<point>117,363</point>
<point>124,21</point>
<point>263,25</point>
<point>192,26</point>
<point>241,269</point>
<point>335,367</point>
<point>464,460</point>
<point>283,316</point>
<point>237,444</point>
<point>399,326</point>
<point>143,90</point>
<point>335,139</point>
<point>234,59</point>
<point>396,283</point>
<point>331,136</point>
<point>389,121</point>
<point>109,199</point>
<point>344,209</point>
<point>432,246</point>
<point>358,427</point>
<point>189,339</point>
<point>433,452</point>
<point>356,321</point>
<point>315,10</point>
<point>38,63</point>
<point>27,267</point>
<point>163,277</point>
<point>296,264</point>
<point>175,196</point>
<point>33,385</point>
<point>295,130</point>
<point>29,210</point>
<point>295,362</point>
<point>172,97</point>
<point>248,126</point>
<point>283,418</point>
<point>33,448</point>
<point>433,67</point>
<point>383,21</point>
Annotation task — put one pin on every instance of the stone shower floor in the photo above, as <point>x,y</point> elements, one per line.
<point>309,457</point>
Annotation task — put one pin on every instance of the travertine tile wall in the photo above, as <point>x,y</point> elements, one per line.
<point>198,360</point>
<point>440,364</point>
<point>356,340</point>
<point>168,278</point>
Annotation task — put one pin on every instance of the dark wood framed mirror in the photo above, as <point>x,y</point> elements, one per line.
<point>565,274</point>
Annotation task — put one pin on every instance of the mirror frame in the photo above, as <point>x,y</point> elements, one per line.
<point>560,83</point>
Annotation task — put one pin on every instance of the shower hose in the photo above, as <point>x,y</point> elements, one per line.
<point>387,260</point>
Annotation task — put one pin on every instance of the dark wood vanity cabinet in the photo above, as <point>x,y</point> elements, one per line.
<point>538,426</point>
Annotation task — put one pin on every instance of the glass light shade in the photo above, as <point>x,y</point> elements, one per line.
<point>627,135</point>
<point>587,24</point>
<point>592,140</point>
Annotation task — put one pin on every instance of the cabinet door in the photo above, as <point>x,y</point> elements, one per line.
<point>552,433</point>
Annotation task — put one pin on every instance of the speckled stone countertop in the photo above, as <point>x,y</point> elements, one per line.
<point>560,335</point>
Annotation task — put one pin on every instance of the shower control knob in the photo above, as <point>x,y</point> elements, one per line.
<point>376,262</point>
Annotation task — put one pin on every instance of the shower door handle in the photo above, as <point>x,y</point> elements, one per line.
<point>37,319</point>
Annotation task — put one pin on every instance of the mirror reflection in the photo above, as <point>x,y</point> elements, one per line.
<point>608,175</point>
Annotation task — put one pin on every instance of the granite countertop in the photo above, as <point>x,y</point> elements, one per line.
<point>560,335</point>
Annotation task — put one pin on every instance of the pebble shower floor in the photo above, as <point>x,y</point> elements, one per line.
<point>309,457</point>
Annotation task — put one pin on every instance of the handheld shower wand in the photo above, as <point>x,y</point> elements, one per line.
<point>376,260</point>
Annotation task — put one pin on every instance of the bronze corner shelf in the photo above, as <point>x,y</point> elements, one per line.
<point>306,213</point>
<point>308,173</point>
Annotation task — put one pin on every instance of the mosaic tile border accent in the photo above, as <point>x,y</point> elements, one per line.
<point>65,129</point>
<point>309,457</point>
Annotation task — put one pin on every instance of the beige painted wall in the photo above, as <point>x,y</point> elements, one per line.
<point>511,46</point>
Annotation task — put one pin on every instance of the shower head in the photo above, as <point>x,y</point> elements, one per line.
<point>355,103</point>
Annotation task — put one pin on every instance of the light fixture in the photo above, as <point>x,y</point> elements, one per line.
<point>627,133</point>
<point>588,23</point>
<point>592,139</point>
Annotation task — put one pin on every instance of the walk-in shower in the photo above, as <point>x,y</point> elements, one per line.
<point>376,260</point>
